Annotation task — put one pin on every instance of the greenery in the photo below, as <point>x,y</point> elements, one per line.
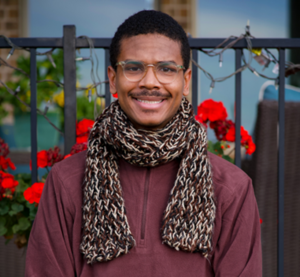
<point>17,214</point>
<point>218,149</point>
<point>45,90</point>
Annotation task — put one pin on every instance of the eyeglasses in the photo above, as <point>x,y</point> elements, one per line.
<point>165,72</point>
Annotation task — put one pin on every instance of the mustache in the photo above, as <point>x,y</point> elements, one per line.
<point>148,93</point>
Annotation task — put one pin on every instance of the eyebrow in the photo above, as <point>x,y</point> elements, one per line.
<point>166,62</point>
<point>156,62</point>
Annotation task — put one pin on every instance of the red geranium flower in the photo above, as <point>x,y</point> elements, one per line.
<point>54,156</point>
<point>48,158</point>
<point>67,156</point>
<point>5,163</point>
<point>7,180</point>
<point>200,119</point>
<point>4,150</point>
<point>215,112</point>
<point>34,193</point>
<point>83,129</point>
<point>221,128</point>
<point>42,159</point>
<point>230,136</point>
<point>246,139</point>
<point>212,110</point>
<point>76,148</point>
<point>250,147</point>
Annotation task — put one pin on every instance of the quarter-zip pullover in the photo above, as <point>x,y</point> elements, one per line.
<point>53,248</point>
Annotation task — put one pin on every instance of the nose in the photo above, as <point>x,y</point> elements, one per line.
<point>150,81</point>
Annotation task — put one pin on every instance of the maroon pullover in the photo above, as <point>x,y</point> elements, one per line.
<point>53,248</point>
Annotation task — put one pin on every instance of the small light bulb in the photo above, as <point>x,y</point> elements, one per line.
<point>221,59</point>
<point>46,107</point>
<point>50,58</point>
<point>90,95</point>
<point>212,85</point>
<point>10,53</point>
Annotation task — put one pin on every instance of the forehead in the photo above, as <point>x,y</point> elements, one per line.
<point>150,48</point>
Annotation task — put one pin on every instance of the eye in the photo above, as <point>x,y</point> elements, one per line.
<point>134,67</point>
<point>167,68</point>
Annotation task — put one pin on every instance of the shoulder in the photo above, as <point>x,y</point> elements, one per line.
<point>71,167</point>
<point>230,182</point>
<point>68,174</point>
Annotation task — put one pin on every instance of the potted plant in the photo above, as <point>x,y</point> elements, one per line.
<point>19,198</point>
<point>213,114</point>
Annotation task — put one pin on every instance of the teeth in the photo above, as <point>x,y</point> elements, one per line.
<point>149,102</point>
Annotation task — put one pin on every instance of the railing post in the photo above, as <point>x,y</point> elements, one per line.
<point>107,92</point>
<point>195,81</point>
<point>69,46</point>
<point>238,100</point>
<point>33,115</point>
<point>281,102</point>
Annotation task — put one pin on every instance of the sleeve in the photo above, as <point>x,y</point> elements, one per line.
<point>238,249</point>
<point>49,249</point>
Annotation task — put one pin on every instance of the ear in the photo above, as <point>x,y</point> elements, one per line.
<point>187,80</point>
<point>112,79</point>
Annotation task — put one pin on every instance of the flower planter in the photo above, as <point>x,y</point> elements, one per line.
<point>12,259</point>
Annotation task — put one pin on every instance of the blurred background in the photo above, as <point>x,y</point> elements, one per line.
<point>99,18</point>
<point>218,18</point>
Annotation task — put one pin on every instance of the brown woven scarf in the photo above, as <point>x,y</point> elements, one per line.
<point>187,223</point>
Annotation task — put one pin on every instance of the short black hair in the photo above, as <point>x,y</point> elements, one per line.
<point>150,22</point>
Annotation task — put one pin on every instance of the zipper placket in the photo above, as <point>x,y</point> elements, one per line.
<point>146,192</point>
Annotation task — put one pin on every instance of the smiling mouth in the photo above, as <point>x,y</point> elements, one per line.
<point>149,102</point>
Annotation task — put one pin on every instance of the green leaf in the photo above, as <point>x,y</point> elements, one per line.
<point>17,207</point>
<point>11,213</point>
<point>15,228</point>
<point>3,230</point>
<point>24,223</point>
<point>210,146</point>
<point>24,182</point>
<point>2,221</point>
<point>4,210</point>
<point>227,158</point>
<point>32,210</point>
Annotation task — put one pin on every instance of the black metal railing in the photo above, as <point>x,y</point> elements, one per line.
<point>69,43</point>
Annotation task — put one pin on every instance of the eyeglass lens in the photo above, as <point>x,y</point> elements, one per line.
<point>135,71</point>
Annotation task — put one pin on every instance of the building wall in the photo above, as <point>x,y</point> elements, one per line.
<point>13,23</point>
<point>183,11</point>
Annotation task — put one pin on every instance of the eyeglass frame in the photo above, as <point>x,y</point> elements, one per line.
<point>146,65</point>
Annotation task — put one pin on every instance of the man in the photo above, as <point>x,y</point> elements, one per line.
<point>147,199</point>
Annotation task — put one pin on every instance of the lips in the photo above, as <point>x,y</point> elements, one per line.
<point>149,100</point>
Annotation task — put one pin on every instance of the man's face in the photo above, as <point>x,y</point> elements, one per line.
<point>148,103</point>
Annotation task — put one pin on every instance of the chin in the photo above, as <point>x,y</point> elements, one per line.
<point>149,125</point>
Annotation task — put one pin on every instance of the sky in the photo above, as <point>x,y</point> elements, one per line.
<point>215,18</point>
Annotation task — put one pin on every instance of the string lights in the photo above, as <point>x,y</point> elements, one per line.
<point>263,56</point>
<point>48,54</point>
